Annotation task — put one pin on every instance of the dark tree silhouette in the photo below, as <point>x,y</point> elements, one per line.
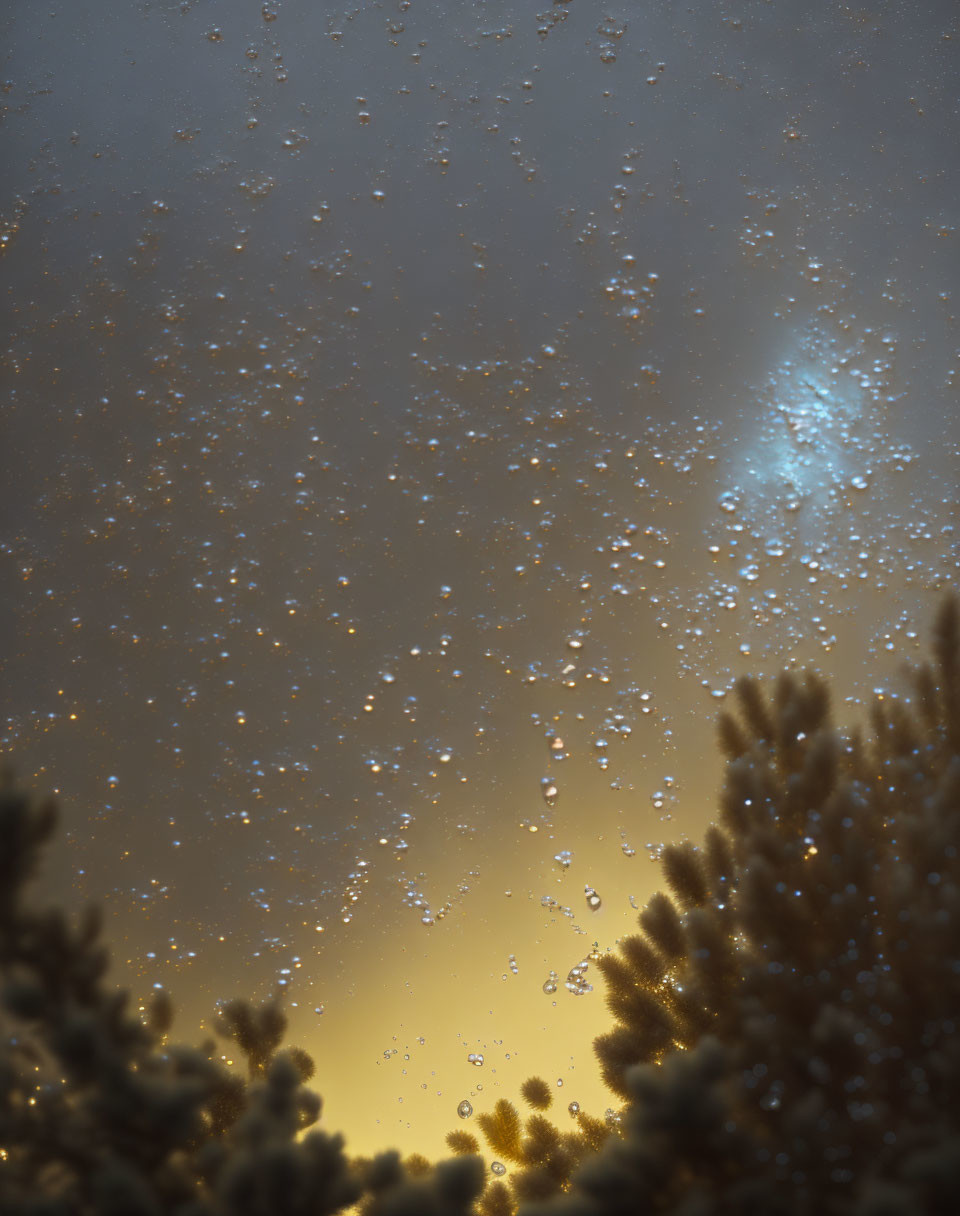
<point>786,1033</point>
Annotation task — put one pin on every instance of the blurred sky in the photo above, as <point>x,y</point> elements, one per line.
<point>415,416</point>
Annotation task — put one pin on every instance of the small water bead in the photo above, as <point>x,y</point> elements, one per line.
<point>563,858</point>
<point>465,1109</point>
<point>498,1168</point>
<point>475,1058</point>
<point>593,899</point>
<point>574,1109</point>
<point>550,984</point>
<point>549,791</point>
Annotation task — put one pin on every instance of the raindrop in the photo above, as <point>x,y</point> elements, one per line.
<point>549,791</point>
<point>574,1109</point>
<point>593,899</point>
<point>576,981</point>
<point>476,1059</point>
<point>465,1109</point>
<point>498,1168</point>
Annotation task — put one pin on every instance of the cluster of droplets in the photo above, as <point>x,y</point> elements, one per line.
<point>576,981</point>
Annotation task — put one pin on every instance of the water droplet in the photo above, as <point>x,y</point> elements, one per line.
<point>476,1059</point>
<point>593,899</point>
<point>549,791</point>
<point>498,1168</point>
<point>574,1109</point>
<point>465,1109</point>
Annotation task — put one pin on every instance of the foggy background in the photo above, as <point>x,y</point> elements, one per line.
<point>415,417</point>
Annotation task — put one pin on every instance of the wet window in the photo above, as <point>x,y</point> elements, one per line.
<point>416,416</point>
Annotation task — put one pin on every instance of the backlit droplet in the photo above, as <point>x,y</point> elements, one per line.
<point>465,1109</point>
<point>498,1168</point>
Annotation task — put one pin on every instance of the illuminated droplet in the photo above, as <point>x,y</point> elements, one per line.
<point>465,1109</point>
